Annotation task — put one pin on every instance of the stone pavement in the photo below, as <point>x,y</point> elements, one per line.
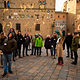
<point>43,68</point>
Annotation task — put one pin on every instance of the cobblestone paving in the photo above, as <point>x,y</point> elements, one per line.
<point>43,68</point>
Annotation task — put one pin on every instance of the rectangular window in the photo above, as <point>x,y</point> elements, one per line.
<point>18,26</point>
<point>37,28</point>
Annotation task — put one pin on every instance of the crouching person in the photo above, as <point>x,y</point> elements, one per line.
<point>60,49</point>
<point>8,47</point>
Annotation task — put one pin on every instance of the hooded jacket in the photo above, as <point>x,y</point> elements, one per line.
<point>9,46</point>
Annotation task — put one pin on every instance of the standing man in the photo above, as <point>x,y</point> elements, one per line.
<point>8,47</point>
<point>39,45</point>
<point>19,42</point>
<point>75,42</point>
<point>26,43</point>
<point>68,41</point>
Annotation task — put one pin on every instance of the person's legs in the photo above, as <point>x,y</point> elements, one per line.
<point>62,60</point>
<point>75,57</point>
<point>58,60</point>
<point>9,62</point>
<point>5,59</point>
<point>67,51</point>
<point>51,51</point>
<point>26,50</point>
<point>23,50</point>
<point>32,50</point>
<point>40,51</point>
<point>1,60</point>
<point>71,53</point>
<point>54,52</point>
<point>37,51</point>
<point>47,52</point>
<point>20,51</point>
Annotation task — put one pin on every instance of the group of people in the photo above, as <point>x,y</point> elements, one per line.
<point>11,46</point>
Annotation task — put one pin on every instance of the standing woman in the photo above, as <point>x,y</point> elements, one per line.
<point>47,44</point>
<point>19,42</point>
<point>75,42</point>
<point>15,37</point>
<point>60,48</point>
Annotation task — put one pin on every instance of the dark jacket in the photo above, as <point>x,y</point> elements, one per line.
<point>13,33</point>
<point>68,40</point>
<point>47,44</point>
<point>53,42</point>
<point>9,46</point>
<point>26,40</point>
<point>20,39</point>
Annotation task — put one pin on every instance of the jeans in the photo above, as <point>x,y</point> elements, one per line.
<point>38,49</point>
<point>1,60</point>
<point>52,51</point>
<point>69,47</point>
<point>7,58</point>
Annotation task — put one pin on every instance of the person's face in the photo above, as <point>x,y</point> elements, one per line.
<point>68,33</point>
<point>11,30</point>
<point>39,36</point>
<point>19,32</point>
<point>10,35</point>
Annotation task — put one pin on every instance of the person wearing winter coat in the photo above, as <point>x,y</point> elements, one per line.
<point>75,42</point>
<point>20,41</point>
<point>26,44</point>
<point>53,44</point>
<point>68,41</point>
<point>7,48</point>
<point>59,48</point>
<point>33,45</point>
<point>15,37</point>
<point>39,45</point>
<point>47,44</point>
<point>2,39</point>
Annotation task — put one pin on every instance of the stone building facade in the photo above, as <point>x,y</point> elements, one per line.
<point>31,16</point>
<point>73,9</point>
<point>61,20</point>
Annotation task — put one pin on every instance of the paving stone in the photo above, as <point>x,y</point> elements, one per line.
<point>43,68</point>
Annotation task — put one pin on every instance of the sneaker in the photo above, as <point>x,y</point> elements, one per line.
<point>58,63</point>
<point>4,74</point>
<point>74,63</point>
<point>61,64</point>
<point>10,72</point>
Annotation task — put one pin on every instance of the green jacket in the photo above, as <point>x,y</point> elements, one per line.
<point>39,42</point>
<point>75,43</point>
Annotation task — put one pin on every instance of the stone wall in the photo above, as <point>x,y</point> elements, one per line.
<point>28,17</point>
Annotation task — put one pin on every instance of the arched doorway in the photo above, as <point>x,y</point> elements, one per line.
<point>1,28</point>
